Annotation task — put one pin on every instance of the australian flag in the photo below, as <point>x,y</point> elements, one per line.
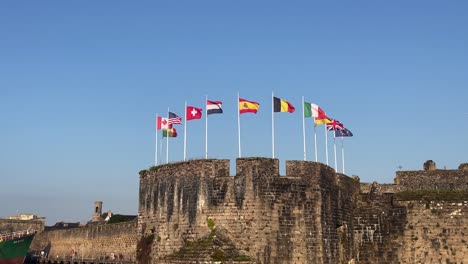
<point>344,132</point>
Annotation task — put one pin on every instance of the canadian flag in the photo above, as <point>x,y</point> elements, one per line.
<point>162,123</point>
<point>193,113</point>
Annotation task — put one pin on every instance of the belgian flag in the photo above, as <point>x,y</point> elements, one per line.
<point>280,105</point>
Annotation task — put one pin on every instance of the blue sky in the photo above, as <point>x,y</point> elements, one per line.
<point>82,81</point>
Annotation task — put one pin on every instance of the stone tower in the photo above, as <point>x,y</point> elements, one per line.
<point>429,165</point>
<point>97,211</point>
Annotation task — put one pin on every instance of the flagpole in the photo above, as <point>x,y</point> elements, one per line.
<point>334,148</point>
<point>303,129</point>
<point>156,144</point>
<point>342,153</point>
<point>326,143</point>
<point>167,139</point>
<point>272,125</point>
<point>160,146</point>
<point>206,127</point>
<point>238,124</point>
<point>315,140</point>
<point>185,130</point>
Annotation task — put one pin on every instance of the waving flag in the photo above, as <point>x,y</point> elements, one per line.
<point>172,132</point>
<point>344,132</point>
<point>280,105</point>
<point>213,107</point>
<point>307,109</point>
<point>246,106</point>
<point>193,113</point>
<point>319,115</point>
<point>163,123</point>
<point>174,119</point>
<point>334,125</point>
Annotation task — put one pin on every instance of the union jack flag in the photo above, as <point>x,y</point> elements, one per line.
<point>334,125</point>
<point>174,119</point>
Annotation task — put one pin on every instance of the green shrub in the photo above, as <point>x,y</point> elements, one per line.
<point>211,223</point>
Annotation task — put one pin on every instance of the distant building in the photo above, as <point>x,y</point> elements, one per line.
<point>23,217</point>
<point>97,212</point>
<point>100,218</point>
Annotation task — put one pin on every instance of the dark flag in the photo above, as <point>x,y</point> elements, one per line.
<point>344,132</point>
<point>174,119</point>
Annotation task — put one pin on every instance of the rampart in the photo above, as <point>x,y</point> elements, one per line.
<point>13,225</point>
<point>100,242</point>
<point>432,178</point>
<point>194,211</point>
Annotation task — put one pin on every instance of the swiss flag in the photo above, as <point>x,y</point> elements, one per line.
<point>162,123</point>
<point>193,113</point>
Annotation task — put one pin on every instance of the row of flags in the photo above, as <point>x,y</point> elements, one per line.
<point>246,106</point>
<point>166,124</point>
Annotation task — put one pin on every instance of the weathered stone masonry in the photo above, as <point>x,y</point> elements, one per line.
<point>311,215</point>
<point>304,217</point>
<point>13,225</point>
<point>194,211</point>
<point>90,242</point>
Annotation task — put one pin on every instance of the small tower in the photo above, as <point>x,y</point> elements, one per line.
<point>429,165</point>
<point>97,211</point>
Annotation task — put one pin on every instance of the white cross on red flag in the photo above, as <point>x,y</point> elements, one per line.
<point>193,113</point>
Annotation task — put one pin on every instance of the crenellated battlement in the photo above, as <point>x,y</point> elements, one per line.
<point>257,206</point>
<point>310,215</point>
<point>430,178</point>
<point>264,168</point>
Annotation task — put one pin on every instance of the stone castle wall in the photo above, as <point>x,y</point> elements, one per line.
<point>304,217</point>
<point>432,178</point>
<point>311,215</point>
<point>13,225</point>
<point>435,232</point>
<point>96,241</point>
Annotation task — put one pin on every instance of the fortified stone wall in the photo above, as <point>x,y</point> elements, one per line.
<point>433,179</point>
<point>303,217</point>
<point>378,222</point>
<point>435,232</point>
<point>311,215</point>
<point>13,225</point>
<point>98,241</point>
<point>379,187</point>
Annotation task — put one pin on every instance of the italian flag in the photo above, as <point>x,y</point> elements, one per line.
<point>313,110</point>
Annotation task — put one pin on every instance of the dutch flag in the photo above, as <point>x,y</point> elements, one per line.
<point>213,107</point>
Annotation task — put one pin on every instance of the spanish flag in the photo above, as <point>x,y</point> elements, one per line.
<point>280,105</point>
<point>246,106</point>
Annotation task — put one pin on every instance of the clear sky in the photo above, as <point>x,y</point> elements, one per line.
<point>81,83</point>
